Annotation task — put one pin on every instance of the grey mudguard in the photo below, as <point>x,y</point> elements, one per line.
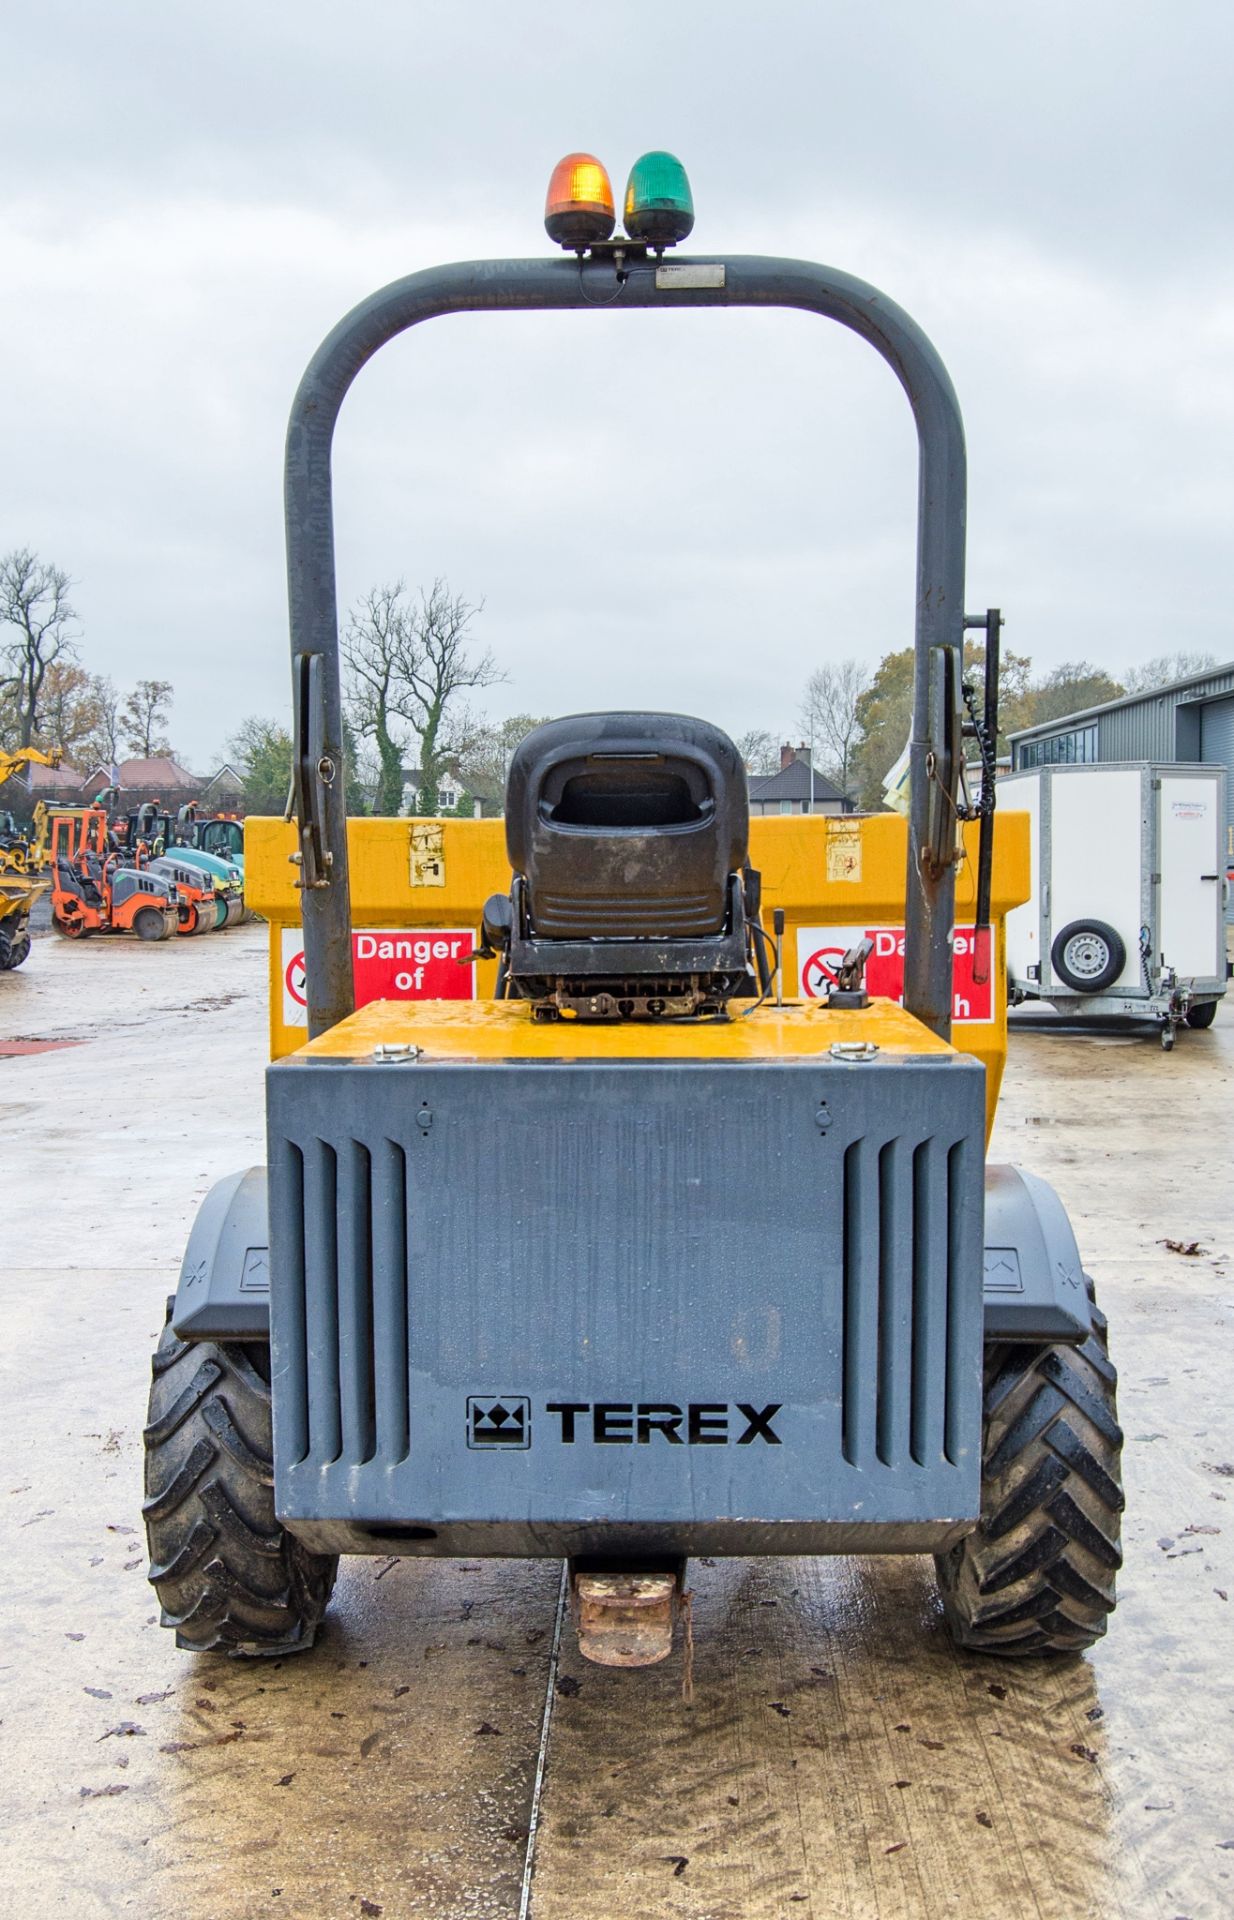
<point>1033,1286</point>
<point>224,1290</point>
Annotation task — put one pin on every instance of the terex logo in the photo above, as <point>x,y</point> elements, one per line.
<point>702,1423</point>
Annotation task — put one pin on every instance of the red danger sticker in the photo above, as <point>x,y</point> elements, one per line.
<point>821,949</point>
<point>390,963</point>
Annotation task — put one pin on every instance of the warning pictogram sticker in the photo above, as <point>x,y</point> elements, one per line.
<point>820,950</point>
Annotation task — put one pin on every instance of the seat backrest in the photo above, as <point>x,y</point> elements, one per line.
<point>627,825</point>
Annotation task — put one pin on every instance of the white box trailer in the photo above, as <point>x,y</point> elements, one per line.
<point>1127,911</point>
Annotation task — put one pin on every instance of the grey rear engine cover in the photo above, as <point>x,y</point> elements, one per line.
<point>540,1307</point>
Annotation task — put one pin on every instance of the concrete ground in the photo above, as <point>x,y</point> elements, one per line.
<point>839,1758</point>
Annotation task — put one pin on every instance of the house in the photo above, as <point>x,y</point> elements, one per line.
<point>796,788</point>
<point>450,791</point>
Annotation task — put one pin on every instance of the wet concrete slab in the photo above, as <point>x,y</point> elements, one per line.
<point>839,1758</point>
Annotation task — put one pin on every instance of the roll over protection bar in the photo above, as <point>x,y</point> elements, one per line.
<point>612,278</point>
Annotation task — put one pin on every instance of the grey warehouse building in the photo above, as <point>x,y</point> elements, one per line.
<point>1189,720</point>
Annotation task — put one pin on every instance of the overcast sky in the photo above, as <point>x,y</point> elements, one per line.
<point>688,511</point>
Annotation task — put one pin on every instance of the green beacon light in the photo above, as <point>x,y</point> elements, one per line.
<point>659,206</point>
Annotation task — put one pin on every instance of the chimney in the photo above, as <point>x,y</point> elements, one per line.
<point>787,756</point>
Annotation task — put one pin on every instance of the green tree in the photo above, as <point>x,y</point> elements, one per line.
<point>1070,688</point>
<point>262,752</point>
<point>144,718</point>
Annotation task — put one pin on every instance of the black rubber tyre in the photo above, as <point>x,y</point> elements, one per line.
<point>1088,956</point>
<point>1037,1576</point>
<point>13,949</point>
<point>1198,1017</point>
<point>229,1578</point>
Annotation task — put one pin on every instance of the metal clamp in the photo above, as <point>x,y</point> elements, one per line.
<point>388,1051</point>
<point>853,1049</point>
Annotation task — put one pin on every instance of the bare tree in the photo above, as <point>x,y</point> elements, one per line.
<point>759,750</point>
<point>101,746</point>
<point>377,639</point>
<point>1166,667</point>
<point>829,715</point>
<point>410,661</point>
<point>34,600</point>
<point>144,718</point>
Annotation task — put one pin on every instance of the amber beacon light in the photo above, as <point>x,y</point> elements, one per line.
<point>579,210</point>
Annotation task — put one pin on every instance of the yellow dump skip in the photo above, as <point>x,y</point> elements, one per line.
<point>825,871</point>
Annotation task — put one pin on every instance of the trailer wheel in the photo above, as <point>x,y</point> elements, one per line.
<point>1088,956</point>
<point>150,924</point>
<point>1037,1576</point>
<point>1198,1017</point>
<point>229,1578</point>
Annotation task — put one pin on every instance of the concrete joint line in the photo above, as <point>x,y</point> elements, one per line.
<point>546,1722</point>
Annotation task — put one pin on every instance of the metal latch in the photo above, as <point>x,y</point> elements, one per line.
<point>853,1049</point>
<point>390,1050</point>
<point>313,770</point>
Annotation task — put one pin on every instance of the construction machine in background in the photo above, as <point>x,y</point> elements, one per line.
<point>95,890</point>
<point>643,1256</point>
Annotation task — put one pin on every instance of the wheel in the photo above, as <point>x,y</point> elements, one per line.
<point>1202,1016</point>
<point>1088,956</point>
<point>14,948</point>
<point>1037,1576</point>
<point>229,1578</point>
<point>71,929</point>
<point>1167,1039</point>
<point>149,924</point>
<point>188,917</point>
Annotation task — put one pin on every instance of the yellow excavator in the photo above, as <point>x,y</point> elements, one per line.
<point>18,892</point>
<point>16,846</point>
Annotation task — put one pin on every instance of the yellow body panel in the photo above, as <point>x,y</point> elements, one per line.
<point>485,1030</point>
<point>823,870</point>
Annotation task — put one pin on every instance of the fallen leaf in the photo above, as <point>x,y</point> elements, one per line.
<point>285,1780</point>
<point>678,1862</point>
<point>370,1908</point>
<point>369,1742</point>
<point>992,1686</point>
<point>1201,1529</point>
<point>103,1793</point>
<point>111,1528</point>
<point>129,1565</point>
<point>1221,1593</point>
<point>935,1746</point>
<point>982,1818</point>
<point>1082,1752</point>
<point>178,1746</point>
<point>901,1784</point>
<point>97,1693</point>
<point>152,1699</point>
<point>567,1684</point>
<point>1095,1713</point>
<point>1166,1542</point>
<point>484,1727</point>
<point>1223,1467</point>
<point>903,1726</point>
<point>897,1848</point>
<point>778,1706</point>
<point>126,1728</point>
<point>207,1706</point>
<point>400,1691</point>
<point>1191,1248</point>
<point>74,1636</point>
